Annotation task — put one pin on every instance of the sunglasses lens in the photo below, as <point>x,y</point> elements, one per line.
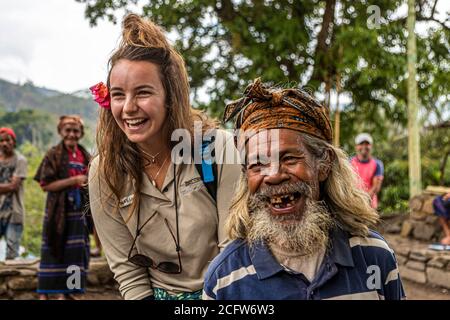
<point>169,267</point>
<point>141,261</point>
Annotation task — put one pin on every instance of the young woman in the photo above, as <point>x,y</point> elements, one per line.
<point>160,222</point>
<point>65,240</point>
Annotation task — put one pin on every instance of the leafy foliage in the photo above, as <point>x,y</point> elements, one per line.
<point>33,113</point>
<point>227,43</point>
<point>34,201</point>
<point>35,126</point>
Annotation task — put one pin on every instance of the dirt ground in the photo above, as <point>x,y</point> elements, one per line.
<point>109,294</point>
<point>415,291</point>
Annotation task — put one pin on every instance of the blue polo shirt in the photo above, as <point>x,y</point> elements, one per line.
<point>353,268</point>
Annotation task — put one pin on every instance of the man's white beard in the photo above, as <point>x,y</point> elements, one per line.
<point>305,234</point>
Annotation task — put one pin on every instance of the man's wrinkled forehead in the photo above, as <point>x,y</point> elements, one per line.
<point>272,144</point>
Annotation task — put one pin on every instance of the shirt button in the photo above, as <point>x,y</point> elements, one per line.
<point>165,189</point>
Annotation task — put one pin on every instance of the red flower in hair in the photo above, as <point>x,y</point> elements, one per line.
<point>101,95</point>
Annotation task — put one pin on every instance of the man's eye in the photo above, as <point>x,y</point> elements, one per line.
<point>144,93</point>
<point>256,166</point>
<point>291,159</point>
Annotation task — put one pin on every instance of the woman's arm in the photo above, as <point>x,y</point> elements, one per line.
<point>62,184</point>
<point>134,283</point>
<point>12,186</point>
<point>446,196</point>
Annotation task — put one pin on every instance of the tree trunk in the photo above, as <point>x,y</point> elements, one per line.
<point>443,165</point>
<point>415,179</point>
<point>322,45</point>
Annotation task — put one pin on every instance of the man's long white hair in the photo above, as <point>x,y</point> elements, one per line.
<point>349,205</point>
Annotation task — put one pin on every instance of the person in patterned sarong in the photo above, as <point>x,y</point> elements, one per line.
<point>65,240</point>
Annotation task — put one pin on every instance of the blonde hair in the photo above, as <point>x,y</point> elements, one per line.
<point>143,40</point>
<point>349,205</point>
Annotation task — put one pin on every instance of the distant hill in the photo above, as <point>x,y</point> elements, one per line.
<point>33,112</point>
<point>14,97</point>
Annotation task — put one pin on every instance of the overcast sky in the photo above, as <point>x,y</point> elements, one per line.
<point>51,43</point>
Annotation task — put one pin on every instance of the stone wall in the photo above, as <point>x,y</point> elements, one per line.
<point>419,264</point>
<point>422,223</point>
<point>411,234</point>
<point>18,278</point>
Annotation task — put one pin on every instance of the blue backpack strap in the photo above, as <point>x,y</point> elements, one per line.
<point>208,168</point>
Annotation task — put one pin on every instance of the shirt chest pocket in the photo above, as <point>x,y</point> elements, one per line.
<point>124,208</point>
<point>190,186</point>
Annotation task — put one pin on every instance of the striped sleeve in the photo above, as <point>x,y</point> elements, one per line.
<point>379,256</point>
<point>209,284</point>
<point>379,172</point>
<point>393,287</point>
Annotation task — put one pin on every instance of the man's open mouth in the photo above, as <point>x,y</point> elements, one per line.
<point>284,201</point>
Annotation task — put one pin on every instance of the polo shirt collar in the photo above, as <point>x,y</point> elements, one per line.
<point>263,260</point>
<point>266,265</point>
<point>340,251</point>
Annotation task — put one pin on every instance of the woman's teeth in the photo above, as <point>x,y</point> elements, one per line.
<point>135,122</point>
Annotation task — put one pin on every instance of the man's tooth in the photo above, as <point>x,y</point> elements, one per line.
<point>276,200</point>
<point>291,197</point>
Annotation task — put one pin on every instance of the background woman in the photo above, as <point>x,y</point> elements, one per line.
<point>65,241</point>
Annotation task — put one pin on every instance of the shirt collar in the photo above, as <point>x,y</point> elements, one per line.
<point>266,265</point>
<point>263,260</point>
<point>340,251</point>
<point>363,161</point>
<point>150,190</point>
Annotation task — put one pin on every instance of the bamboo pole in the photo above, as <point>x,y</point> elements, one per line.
<point>337,113</point>
<point>415,174</point>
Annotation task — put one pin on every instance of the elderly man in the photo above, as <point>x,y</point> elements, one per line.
<point>299,223</point>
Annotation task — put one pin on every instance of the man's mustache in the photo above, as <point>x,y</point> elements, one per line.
<point>265,193</point>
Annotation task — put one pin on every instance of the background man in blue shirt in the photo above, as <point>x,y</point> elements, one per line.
<point>299,222</point>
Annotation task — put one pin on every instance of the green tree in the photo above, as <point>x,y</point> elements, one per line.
<point>228,43</point>
<point>34,200</point>
<point>35,126</point>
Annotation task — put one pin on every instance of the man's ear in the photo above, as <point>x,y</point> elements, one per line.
<point>326,164</point>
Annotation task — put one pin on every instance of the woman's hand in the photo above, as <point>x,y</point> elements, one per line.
<point>80,180</point>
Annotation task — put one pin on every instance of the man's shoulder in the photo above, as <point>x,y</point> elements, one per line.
<point>377,161</point>
<point>232,257</point>
<point>373,249</point>
<point>21,158</point>
<point>372,239</point>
